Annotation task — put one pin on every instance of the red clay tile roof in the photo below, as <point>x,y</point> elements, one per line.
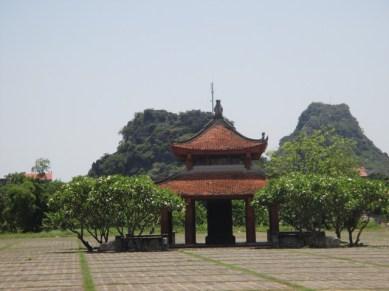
<point>217,184</point>
<point>362,171</point>
<point>219,137</point>
<point>44,177</point>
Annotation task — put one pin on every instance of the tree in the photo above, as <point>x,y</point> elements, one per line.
<point>41,166</point>
<point>318,202</point>
<point>70,208</point>
<point>299,198</point>
<point>318,153</point>
<point>357,200</point>
<point>19,207</point>
<point>137,203</point>
<point>93,206</point>
<point>23,202</point>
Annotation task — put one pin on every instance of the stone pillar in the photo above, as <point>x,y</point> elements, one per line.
<point>190,221</point>
<point>250,221</point>
<point>167,224</point>
<point>274,229</point>
<point>274,218</point>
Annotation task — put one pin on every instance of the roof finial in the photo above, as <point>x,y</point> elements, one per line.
<point>264,139</point>
<point>218,110</point>
<point>212,92</point>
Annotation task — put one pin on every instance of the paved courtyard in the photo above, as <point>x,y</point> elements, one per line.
<point>54,264</point>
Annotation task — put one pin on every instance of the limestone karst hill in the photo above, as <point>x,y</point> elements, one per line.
<point>144,148</point>
<point>319,116</point>
<point>145,144</point>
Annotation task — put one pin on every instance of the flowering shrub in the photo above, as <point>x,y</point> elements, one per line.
<point>318,202</point>
<point>93,206</point>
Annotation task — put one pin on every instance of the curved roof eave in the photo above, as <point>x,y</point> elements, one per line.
<point>212,122</point>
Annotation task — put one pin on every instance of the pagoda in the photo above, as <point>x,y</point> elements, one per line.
<point>218,169</point>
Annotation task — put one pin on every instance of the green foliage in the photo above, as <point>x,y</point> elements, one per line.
<point>201,213</point>
<point>319,116</point>
<point>318,187</point>
<point>380,177</point>
<point>144,148</point>
<point>355,202</point>
<point>239,214</point>
<point>145,144</point>
<point>93,206</point>
<point>23,202</point>
<point>20,206</point>
<point>137,203</point>
<point>300,205</point>
<point>201,217</point>
<point>317,153</point>
<point>71,210</point>
<point>317,202</point>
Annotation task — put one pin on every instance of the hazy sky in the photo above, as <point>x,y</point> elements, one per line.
<point>72,73</point>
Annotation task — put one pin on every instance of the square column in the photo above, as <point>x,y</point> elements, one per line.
<point>190,221</point>
<point>167,224</point>
<point>274,218</point>
<point>250,222</point>
<point>274,228</point>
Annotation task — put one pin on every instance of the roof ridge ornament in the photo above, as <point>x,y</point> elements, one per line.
<point>218,110</point>
<point>264,139</point>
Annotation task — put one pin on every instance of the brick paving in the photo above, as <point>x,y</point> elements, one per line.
<point>53,264</point>
<point>170,270</point>
<point>39,264</point>
<point>314,268</point>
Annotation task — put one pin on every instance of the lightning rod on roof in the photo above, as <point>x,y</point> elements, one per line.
<point>212,95</point>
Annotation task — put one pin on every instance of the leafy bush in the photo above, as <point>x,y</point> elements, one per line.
<point>93,206</point>
<point>318,202</point>
<point>23,202</point>
<point>321,152</point>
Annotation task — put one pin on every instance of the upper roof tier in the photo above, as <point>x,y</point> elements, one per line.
<point>219,137</point>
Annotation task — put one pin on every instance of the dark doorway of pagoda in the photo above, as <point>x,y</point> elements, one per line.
<point>219,220</point>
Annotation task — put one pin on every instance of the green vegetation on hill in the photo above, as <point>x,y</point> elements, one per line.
<point>145,146</point>
<point>319,116</point>
<point>146,139</point>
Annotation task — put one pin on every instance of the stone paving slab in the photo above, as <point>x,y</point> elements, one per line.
<point>348,268</point>
<point>170,270</point>
<point>54,264</point>
<point>40,264</point>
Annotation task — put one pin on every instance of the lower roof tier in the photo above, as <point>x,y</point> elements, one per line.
<point>215,185</point>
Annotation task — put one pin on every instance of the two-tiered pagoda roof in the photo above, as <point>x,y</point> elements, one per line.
<point>217,140</point>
